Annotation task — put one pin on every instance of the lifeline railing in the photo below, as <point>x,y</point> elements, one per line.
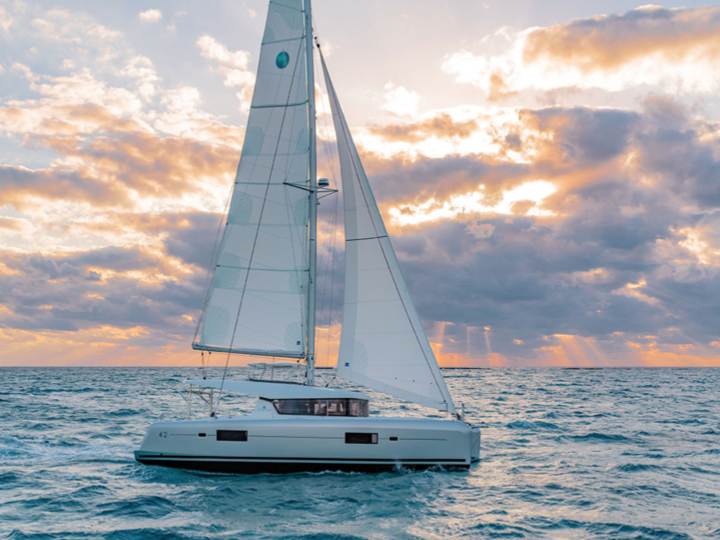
<point>206,394</point>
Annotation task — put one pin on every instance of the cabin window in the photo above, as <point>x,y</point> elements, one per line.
<point>361,438</point>
<point>322,407</point>
<point>231,435</point>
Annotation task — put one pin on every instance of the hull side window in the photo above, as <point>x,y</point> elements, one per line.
<point>231,435</point>
<point>361,438</point>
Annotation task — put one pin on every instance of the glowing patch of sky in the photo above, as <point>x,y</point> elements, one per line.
<point>473,203</point>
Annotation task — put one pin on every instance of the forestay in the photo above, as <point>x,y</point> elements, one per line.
<point>383,345</point>
<point>257,300</point>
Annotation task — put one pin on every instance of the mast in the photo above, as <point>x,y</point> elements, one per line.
<point>312,169</point>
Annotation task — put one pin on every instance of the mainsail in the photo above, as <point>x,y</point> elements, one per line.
<point>257,301</point>
<point>383,345</point>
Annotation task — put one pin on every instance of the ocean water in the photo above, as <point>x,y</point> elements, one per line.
<point>577,454</point>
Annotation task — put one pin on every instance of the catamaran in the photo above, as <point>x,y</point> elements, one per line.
<point>262,302</point>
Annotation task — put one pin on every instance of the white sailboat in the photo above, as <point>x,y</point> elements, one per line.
<point>261,302</point>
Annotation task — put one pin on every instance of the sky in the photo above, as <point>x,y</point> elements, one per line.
<point>549,173</point>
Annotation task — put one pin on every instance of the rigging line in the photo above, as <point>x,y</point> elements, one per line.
<point>345,129</point>
<point>257,232</point>
<point>290,217</point>
<point>332,277</point>
<point>213,263</point>
<point>329,148</point>
<point>330,155</point>
<point>327,269</point>
<point>328,260</point>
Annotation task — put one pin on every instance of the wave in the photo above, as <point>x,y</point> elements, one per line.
<point>600,437</point>
<point>151,534</point>
<point>611,531</point>
<point>151,507</point>
<point>533,426</point>
<point>638,467</point>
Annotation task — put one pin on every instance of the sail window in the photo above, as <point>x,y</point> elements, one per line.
<point>322,407</point>
<point>282,60</point>
<point>231,435</point>
<point>361,438</point>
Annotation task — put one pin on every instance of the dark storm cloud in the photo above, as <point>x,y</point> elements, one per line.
<point>619,214</point>
<point>17,184</point>
<point>671,150</point>
<point>401,180</point>
<point>609,263</point>
<point>588,135</point>
<point>520,283</point>
<point>194,242</point>
<point>54,292</point>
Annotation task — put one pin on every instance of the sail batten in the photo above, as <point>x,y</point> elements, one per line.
<point>383,345</point>
<point>257,300</point>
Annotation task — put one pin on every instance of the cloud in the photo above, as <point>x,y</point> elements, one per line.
<point>523,199</point>
<point>84,88</point>
<point>400,101</point>
<point>19,185</point>
<point>672,49</point>
<point>233,65</point>
<point>107,287</point>
<point>150,15</point>
<point>63,26</point>
<point>6,20</point>
<point>441,125</point>
<point>172,25</point>
<point>107,151</point>
<point>141,69</point>
<point>11,223</point>
<point>611,41</point>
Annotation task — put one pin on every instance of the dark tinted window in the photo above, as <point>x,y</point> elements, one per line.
<point>228,435</point>
<point>361,438</point>
<point>322,407</point>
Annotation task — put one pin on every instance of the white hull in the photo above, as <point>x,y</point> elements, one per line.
<point>301,443</point>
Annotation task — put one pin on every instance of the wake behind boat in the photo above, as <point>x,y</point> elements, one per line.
<point>261,302</point>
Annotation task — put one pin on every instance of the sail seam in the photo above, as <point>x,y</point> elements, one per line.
<point>282,40</point>
<point>291,8</point>
<point>367,238</point>
<point>263,269</point>
<point>271,105</point>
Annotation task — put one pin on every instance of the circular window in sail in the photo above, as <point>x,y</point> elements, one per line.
<point>282,60</point>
